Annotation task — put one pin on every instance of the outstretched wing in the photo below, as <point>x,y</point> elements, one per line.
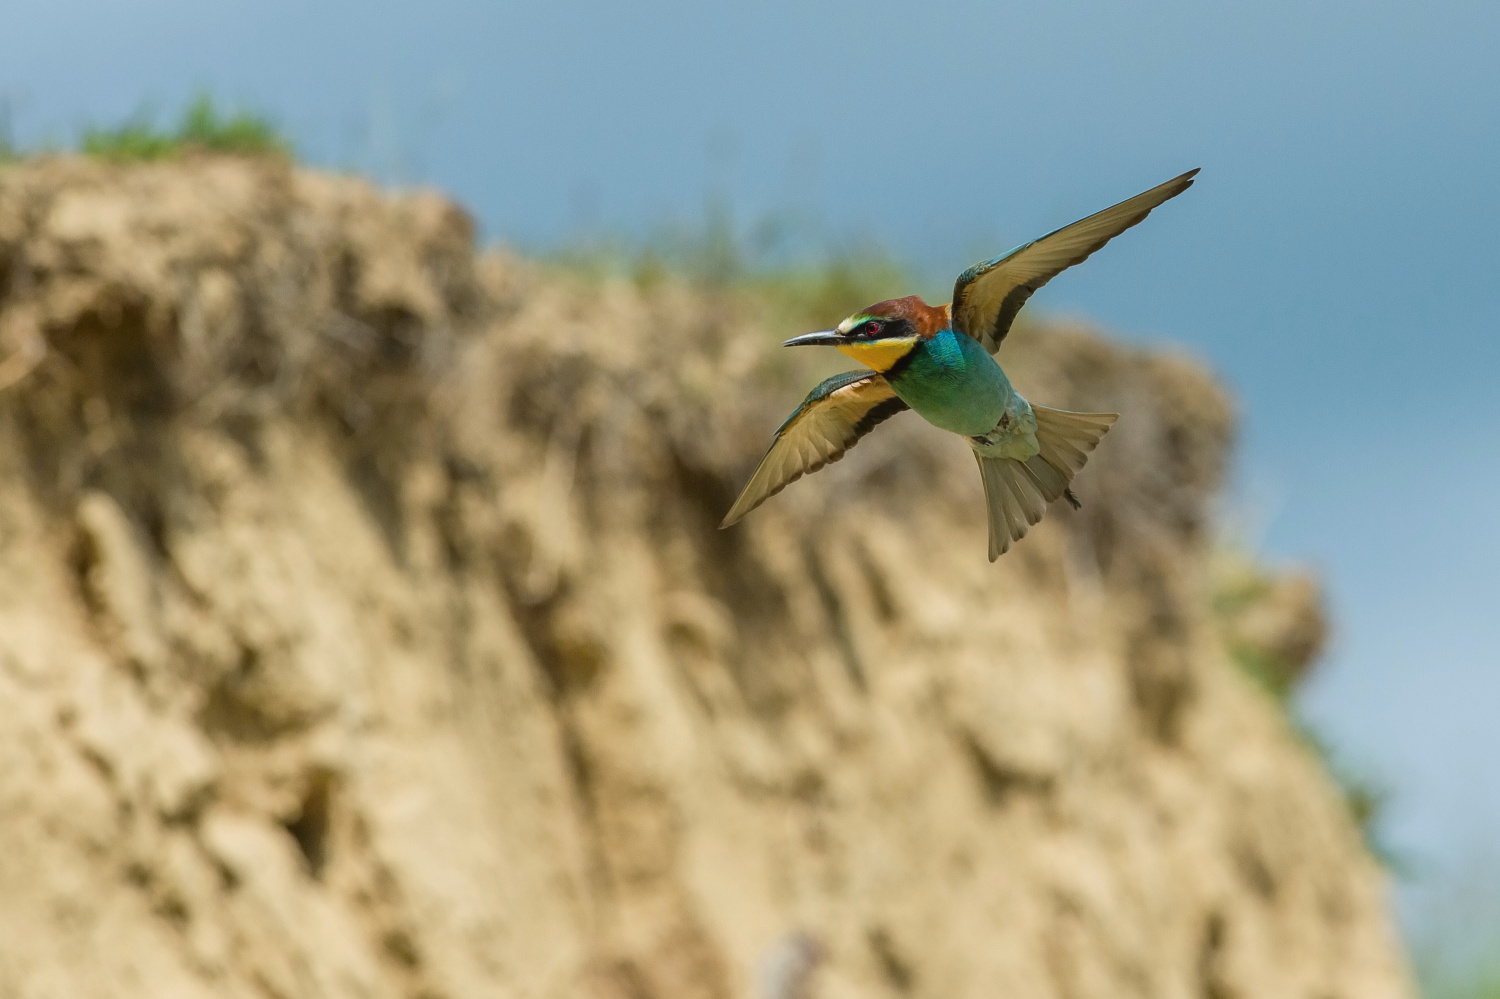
<point>834,415</point>
<point>987,296</point>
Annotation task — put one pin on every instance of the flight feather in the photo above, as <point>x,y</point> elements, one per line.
<point>834,416</point>
<point>987,296</point>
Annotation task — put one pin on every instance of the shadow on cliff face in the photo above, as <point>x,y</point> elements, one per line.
<point>367,631</point>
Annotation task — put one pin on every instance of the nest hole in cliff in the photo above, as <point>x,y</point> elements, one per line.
<point>112,354</point>
<point>998,782</point>
<point>310,827</point>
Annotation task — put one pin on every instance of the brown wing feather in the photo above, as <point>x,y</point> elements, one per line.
<point>987,296</point>
<point>830,420</point>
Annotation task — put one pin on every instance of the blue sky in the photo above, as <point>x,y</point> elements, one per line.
<point>1336,262</point>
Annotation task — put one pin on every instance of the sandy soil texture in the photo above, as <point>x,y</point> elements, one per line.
<point>365,632</point>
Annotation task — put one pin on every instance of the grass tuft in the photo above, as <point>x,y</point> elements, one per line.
<point>203,127</point>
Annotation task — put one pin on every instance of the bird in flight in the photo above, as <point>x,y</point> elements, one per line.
<point>936,360</point>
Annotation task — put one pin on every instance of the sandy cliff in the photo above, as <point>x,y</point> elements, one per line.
<point>365,631</point>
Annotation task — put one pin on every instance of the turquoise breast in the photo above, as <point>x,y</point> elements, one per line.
<point>953,383</point>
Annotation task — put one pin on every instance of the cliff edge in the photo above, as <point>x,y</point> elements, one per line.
<point>365,631</point>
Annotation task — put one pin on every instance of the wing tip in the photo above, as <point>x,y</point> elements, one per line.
<point>739,511</point>
<point>734,515</point>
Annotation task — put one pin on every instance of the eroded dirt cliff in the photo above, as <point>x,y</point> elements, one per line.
<point>365,631</point>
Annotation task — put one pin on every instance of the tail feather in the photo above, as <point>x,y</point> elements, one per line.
<point>1067,438</point>
<point>1017,492</point>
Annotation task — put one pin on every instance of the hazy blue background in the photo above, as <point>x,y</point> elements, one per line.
<point>1337,262</point>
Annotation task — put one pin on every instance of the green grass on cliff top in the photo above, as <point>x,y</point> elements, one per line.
<point>202,127</point>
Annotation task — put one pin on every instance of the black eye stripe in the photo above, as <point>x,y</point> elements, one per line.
<point>891,328</point>
<point>879,329</point>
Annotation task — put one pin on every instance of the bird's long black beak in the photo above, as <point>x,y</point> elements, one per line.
<point>820,338</point>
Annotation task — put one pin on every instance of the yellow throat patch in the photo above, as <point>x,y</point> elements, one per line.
<point>881,355</point>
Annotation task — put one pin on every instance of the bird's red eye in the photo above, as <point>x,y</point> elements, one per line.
<point>870,329</point>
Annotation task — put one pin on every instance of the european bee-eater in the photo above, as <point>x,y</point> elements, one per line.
<point>937,360</point>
